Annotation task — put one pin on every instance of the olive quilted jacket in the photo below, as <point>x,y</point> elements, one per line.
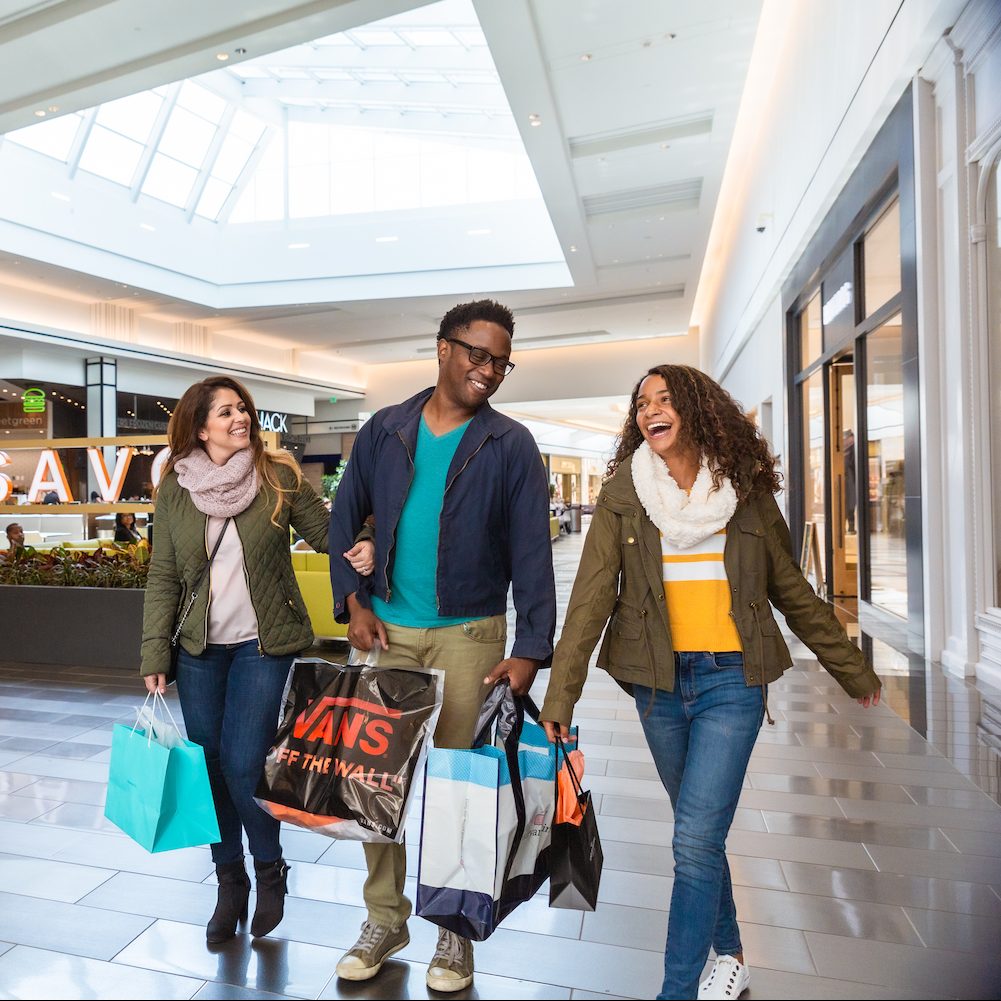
<point>180,556</point>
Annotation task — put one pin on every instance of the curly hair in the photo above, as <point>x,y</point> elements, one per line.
<point>461,316</point>
<point>713,424</point>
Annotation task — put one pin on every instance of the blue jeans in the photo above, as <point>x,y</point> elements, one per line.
<point>701,736</point>
<point>231,698</point>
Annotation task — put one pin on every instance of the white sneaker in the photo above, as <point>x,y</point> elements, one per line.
<point>727,979</point>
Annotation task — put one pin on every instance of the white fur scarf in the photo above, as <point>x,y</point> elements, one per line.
<point>684,519</point>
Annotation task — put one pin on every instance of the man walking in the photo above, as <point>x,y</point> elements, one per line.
<point>461,507</point>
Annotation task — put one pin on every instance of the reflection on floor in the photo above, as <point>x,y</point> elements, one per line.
<point>866,865</point>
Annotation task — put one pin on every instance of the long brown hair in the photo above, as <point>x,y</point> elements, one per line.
<point>713,424</point>
<point>189,417</point>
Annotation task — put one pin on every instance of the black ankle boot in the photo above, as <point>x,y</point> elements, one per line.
<point>272,885</point>
<point>231,904</point>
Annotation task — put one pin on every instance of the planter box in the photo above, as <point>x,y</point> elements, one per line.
<point>77,626</point>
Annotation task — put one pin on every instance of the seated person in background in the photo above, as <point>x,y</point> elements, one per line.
<point>15,537</point>
<point>51,498</point>
<point>125,528</point>
<point>562,514</point>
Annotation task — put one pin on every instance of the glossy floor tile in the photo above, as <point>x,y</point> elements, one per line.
<point>865,863</point>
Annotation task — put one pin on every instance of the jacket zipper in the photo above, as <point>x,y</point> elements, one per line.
<point>448,486</point>
<point>392,539</point>
<point>208,584</point>
<point>246,577</point>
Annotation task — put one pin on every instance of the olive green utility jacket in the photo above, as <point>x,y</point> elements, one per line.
<point>180,557</point>
<point>621,579</point>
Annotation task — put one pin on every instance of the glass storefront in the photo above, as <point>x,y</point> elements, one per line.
<point>886,585</point>
<point>810,333</point>
<point>994,318</point>
<point>852,350</point>
<point>814,475</point>
<point>881,259</point>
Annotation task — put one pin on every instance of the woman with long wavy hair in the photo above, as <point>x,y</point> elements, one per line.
<point>222,491</point>
<point>686,552</point>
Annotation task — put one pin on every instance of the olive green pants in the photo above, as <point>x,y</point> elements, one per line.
<point>466,653</point>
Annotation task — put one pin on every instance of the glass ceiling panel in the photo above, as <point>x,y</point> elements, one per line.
<point>110,155</point>
<point>133,116</point>
<point>201,101</point>
<point>289,72</point>
<point>470,37</point>
<point>366,37</point>
<point>430,36</point>
<point>246,127</point>
<point>187,137</point>
<point>169,180</point>
<point>248,71</point>
<point>53,138</point>
<point>263,198</point>
<point>232,158</point>
<point>213,198</point>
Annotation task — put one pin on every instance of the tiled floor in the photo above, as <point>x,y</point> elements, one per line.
<point>866,865</point>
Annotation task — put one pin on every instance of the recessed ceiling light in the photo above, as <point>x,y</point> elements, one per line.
<point>298,246</point>
<point>477,232</point>
<point>573,249</point>
<point>386,239</point>
<point>534,120</point>
<point>61,196</point>
<point>665,145</point>
<point>53,108</point>
<point>222,56</point>
<point>586,57</point>
<point>40,113</point>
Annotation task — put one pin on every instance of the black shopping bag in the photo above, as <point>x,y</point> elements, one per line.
<point>575,857</point>
<point>350,749</point>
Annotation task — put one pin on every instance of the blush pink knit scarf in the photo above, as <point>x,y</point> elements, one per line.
<point>219,491</point>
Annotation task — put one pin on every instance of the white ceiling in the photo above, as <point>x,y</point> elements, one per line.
<point>636,102</point>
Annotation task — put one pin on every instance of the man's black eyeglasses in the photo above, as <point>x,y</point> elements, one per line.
<point>480,356</point>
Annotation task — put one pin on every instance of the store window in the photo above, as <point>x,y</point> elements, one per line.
<point>994,318</point>
<point>814,470</point>
<point>884,425</point>
<point>810,333</point>
<point>881,259</point>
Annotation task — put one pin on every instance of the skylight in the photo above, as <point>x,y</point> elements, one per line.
<point>404,116</point>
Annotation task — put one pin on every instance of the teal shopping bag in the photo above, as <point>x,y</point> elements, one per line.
<point>158,788</point>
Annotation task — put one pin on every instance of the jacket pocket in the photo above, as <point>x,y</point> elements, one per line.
<point>293,606</point>
<point>763,615</point>
<point>627,623</point>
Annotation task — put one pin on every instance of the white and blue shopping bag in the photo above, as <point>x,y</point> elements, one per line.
<point>487,824</point>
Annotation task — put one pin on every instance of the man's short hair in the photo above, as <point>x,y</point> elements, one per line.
<point>461,316</point>
<point>11,527</point>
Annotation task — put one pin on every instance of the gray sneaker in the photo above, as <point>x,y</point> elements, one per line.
<point>452,966</point>
<point>374,946</point>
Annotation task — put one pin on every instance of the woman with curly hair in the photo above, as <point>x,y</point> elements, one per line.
<point>685,551</point>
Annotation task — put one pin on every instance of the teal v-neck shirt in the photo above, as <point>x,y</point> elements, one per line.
<point>415,567</point>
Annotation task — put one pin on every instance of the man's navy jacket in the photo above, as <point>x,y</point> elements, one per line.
<point>494,528</point>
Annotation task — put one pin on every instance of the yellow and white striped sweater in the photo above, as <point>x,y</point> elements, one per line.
<point>697,593</point>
